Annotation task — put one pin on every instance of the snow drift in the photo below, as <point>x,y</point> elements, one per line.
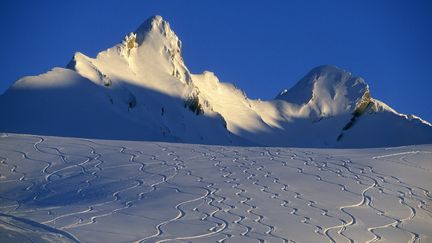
<point>141,89</point>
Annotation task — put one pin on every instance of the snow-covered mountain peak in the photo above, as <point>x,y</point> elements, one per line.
<point>144,57</point>
<point>155,33</point>
<point>154,23</point>
<point>328,90</point>
<point>158,28</point>
<point>141,89</point>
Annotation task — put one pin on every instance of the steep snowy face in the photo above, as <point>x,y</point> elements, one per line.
<point>157,33</point>
<point>149,57</point>
<point>229,101</point>
<point>328,91</point>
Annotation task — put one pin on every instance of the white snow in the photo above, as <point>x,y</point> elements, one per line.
<point>141,89</point>
<point>71,189</point>
<point>130,146</point>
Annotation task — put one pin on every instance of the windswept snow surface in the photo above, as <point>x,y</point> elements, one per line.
<point>71,189</point>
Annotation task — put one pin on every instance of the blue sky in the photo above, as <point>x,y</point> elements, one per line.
<point>260,46</point>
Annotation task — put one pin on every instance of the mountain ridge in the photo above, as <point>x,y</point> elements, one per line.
<point>141,89</point>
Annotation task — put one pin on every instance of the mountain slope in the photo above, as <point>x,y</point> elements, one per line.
<point>137,89</point>
<point>329,107</point>
<point>141,89</point>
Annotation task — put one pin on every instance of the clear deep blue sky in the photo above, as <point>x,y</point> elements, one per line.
<point>260,46</point>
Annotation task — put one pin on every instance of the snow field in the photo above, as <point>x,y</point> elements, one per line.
<point>72,189</point>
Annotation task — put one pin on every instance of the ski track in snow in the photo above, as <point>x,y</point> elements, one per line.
<point>162,192</point>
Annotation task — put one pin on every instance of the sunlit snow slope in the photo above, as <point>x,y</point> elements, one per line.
<point>141,89</point>
<point>71,189</point>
